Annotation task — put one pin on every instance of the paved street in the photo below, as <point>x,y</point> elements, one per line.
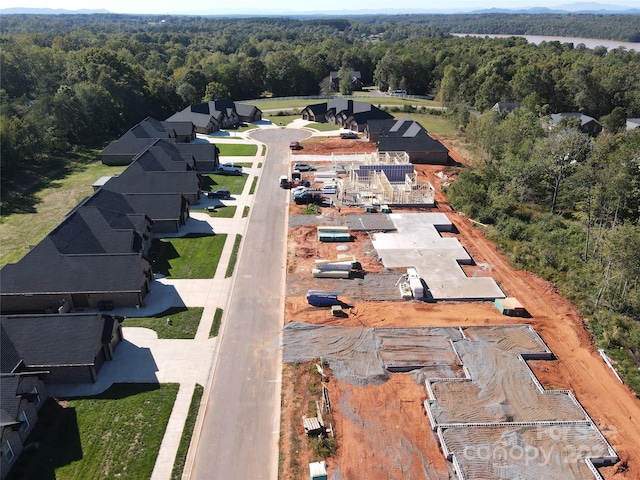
<point>239,435</point>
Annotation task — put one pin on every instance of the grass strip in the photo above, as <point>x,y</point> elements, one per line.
<point>253,186</point>
<point>245,212</point>
<point>234,256</point>
<point>184,322</point>
<point>215,326</point>
<point>187,433</point>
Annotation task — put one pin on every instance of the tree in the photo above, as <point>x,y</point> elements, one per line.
<point>557,156</point>
<point>346,86</point>
<point>216,91</point>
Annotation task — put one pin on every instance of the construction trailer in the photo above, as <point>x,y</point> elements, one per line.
<point>510,306</point>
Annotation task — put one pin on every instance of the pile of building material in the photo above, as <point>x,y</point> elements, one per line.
<point>333,233</point>
<point>343,267</point>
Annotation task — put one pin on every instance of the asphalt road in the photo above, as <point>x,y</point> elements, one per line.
<point>240,433</point>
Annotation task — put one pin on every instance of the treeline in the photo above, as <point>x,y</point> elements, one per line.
<point>623,28</point>
<point>566,207</point>
<point>83,79</point>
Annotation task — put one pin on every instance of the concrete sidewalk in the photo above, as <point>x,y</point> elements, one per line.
<point>143,358</point>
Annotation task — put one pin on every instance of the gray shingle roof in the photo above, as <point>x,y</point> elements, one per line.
<point>128,144</point>
<point>86,230</point>
<point>408,136</point>
<point>158,206</point>
<point>44,270</point>
<point>9,357</point>
<point>9,400</point>
<point>57,339</point>
<point>136,180</point>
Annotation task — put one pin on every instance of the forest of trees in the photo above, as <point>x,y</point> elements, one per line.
<point>566,207</point>
<point>81,79</point>
<point>562,204</point>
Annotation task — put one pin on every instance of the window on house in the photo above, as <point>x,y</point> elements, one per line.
<point>25,421</point>
<point>7,451</point>
<point>36,400</point>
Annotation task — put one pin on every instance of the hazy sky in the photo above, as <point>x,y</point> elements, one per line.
<point>257,7</point>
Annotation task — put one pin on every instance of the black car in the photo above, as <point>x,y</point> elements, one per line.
<point>347,135</point>
<point>308,197</point>
<point>220,193</point>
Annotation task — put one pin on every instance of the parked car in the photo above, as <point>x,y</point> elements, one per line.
<point>299,190</point>
<point>308,197</point>
<point>295,146</point>
<point>230,168</point>
<point>219,193</point>
<point>347,135</point>
<point>304,167</point>
<point>285,182</point>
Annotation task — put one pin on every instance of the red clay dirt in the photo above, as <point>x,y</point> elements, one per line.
<point>383,430</point>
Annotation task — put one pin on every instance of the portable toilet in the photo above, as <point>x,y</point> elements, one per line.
<point>318,471</point>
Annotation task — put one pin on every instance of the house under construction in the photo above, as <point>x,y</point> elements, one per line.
<point>381,179</point>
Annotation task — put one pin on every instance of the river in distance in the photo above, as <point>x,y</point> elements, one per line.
<point>538,39</point>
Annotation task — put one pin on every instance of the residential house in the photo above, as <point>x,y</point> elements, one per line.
<point>45,349</point>
<point>47,281</point>
<point>374,128</point>
<point>408,136</point>
<point>21,397</point>
<point>315,112</point>
<point>169,211</point>
<point>89,229</point>
<point>135,179</point>
<point>62,348</point>
<point>215,115</point>
<point>633,123</point>
<point>588,125</point>
<point>124,150</point>
<point>166,212</point>
<point>248,113</point>
<point>346,113</point>
<point>355,78</point>
<point>501,107</point>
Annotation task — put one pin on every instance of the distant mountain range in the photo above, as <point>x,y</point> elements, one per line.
<point>49,11</point>
<point>582,7</point>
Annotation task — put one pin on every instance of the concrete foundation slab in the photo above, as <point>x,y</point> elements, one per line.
<point>418,243</point>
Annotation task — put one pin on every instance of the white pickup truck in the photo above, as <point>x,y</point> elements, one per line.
<point>230,168</point>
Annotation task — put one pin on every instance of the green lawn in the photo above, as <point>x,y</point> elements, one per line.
<point>184,322</point>
<point>282,119</point>
<point>252,190</point>
<point>116,434</point>
<point>28,219</point>
<point>233,183</point>
<point>323,127</point>
<point>436,124</point>
<point>187,257</point>
<point>236,150</point>
<point>224,211</point>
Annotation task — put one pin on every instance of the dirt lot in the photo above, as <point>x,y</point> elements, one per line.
<point>382,431</point>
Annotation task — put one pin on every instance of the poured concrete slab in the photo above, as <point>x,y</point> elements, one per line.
<point>417,243</point>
